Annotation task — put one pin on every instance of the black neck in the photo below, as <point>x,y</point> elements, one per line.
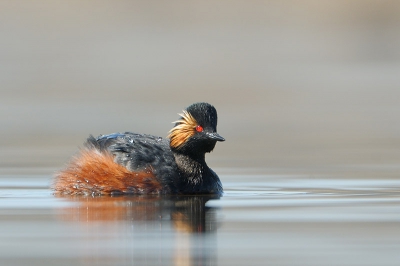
<point>195,177</point>
<point>194,171</point>
<point>190,164</point>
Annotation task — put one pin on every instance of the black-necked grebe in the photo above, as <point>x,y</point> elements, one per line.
<point>130,163</point>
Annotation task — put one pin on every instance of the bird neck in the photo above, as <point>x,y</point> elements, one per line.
<point>193,169</point>
<point>191,163</point>
<point>195,177</point>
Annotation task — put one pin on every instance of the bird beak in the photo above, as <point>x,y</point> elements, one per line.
<point>215,136</point>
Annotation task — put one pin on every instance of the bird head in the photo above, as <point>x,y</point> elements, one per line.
<point>196,130</point>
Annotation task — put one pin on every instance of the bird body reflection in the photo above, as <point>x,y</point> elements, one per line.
<point>176,230</point>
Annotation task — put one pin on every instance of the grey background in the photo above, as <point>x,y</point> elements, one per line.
<point>300,86</point>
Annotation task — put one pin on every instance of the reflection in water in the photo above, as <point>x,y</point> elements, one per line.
<point>177,230</point>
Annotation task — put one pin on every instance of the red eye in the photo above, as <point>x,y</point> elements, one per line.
<point>199,128</point>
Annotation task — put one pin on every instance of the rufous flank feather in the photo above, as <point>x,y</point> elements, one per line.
<point>95,173</point>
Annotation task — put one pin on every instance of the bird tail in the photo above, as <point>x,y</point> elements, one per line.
<point>95,173</point>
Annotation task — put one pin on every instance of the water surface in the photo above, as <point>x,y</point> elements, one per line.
<point>260,220</point>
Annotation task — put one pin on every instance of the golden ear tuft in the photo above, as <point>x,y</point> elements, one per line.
<point>183,130</point>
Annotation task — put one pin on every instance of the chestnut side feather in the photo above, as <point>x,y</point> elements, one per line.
<point>95,173</point>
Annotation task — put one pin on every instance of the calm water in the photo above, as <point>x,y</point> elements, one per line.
<point>261,220</point>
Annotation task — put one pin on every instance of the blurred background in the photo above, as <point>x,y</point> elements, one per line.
<point>308,87</point>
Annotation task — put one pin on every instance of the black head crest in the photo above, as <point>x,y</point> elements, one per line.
<point>205,114</point>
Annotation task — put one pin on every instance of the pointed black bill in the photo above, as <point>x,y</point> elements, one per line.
<point>215,136</point>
